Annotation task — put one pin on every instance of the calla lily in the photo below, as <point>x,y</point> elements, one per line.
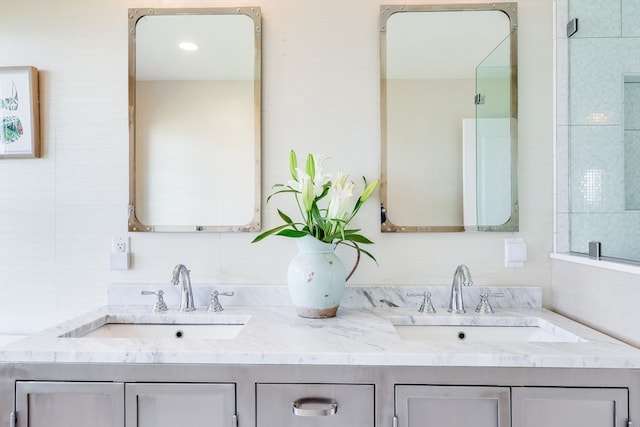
<point>341,194</point>
<point>340,182</point>
<point>311,167</point>
<point>293,165</point>
<point>320,179</point>
<point>307,192</point>
<point>369,189</point>
<point>310,186</point>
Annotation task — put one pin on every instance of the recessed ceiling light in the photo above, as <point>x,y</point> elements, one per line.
<point>188,46</point>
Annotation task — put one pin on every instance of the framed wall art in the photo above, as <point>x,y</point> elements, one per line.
<point>19,112</point>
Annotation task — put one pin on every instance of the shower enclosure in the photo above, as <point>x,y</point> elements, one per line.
<point>598,141</point>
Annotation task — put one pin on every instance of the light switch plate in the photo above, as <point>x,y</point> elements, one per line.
<point>515,252</point>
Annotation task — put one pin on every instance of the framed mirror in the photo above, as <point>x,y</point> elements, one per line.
<point>194,114</point>
<point>449,117</point>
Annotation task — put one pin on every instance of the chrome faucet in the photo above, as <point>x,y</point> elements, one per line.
<point>186,294</point>
<point>461,277</point>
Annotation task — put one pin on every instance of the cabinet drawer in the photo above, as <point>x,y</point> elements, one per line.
<point>167,404</point>
<point>585,407</point>
<point>452,406</point>
<point>69,404</point>
<point>315,405</point>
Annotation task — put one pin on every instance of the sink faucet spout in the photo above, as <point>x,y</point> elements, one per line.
<point>186,293</point>
<point>461,277</point>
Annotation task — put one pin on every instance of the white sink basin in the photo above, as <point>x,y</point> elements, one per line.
<point>174,331</point>
<point>480,328</point>
<point>188,327</point>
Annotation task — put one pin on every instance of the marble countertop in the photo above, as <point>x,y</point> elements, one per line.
<point>359,335</point>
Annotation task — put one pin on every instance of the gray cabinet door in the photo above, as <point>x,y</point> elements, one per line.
<point>171,405</point>
<point>452,406</point>
<point>315,405</point>
<point>561,407</point>
<point>69,404</point>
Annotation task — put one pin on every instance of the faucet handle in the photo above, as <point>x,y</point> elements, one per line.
<point>160,305</point>
<point>483,305</point>
<point>215,303</point>
<point>426,301</point>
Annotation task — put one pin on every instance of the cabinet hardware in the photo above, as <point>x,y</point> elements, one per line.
<point>312,410</point>
<point>572,27</point>
<point>12,419</point>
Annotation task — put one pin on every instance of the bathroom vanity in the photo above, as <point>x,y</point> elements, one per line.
<point>263,366</point>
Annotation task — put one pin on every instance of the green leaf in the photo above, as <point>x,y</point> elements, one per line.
<point>285,190</point>
<point>358,248</point>
<point>316,216</point>
<point>325,191</point>
<point>285,218</point>
<point>359,238</point>
<point>269,232</point>
<point>367,253</point>
<point>292,233</point>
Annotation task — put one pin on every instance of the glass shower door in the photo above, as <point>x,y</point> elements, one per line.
<point>496,139</point>
<point>602,142</point>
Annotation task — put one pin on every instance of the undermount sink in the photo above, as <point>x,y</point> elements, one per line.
<point>481,329</point>
<point>177,331</point>
<point>197,328</point>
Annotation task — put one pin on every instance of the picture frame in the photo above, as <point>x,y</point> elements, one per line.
<point>19,112</point>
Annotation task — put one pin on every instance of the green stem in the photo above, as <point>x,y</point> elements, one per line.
<point>353,270</point>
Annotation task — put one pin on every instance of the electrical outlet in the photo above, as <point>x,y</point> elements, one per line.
<point>120,245</point>
<point>120,253</point>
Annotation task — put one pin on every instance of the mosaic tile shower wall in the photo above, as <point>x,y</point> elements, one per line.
<point>632,141</point>
<point>599,146</point>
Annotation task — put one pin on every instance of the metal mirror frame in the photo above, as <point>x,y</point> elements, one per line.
<point>254,13</point>
<point>510,9</point>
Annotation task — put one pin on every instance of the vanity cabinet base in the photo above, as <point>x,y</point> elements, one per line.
<point>142,395</point>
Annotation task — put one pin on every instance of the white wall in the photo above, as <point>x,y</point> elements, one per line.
<point>606,300</point>
<point>320,93</point>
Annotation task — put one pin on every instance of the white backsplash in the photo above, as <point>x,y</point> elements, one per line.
<point>354,296</point>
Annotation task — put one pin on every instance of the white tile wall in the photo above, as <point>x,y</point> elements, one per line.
<point>605,299</point>
<point>630,11</point>
<point>632,142</point>
<point>596,19</point>
<point>320,93</point>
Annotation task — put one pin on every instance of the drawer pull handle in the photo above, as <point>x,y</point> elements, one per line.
<point>315,407</point>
